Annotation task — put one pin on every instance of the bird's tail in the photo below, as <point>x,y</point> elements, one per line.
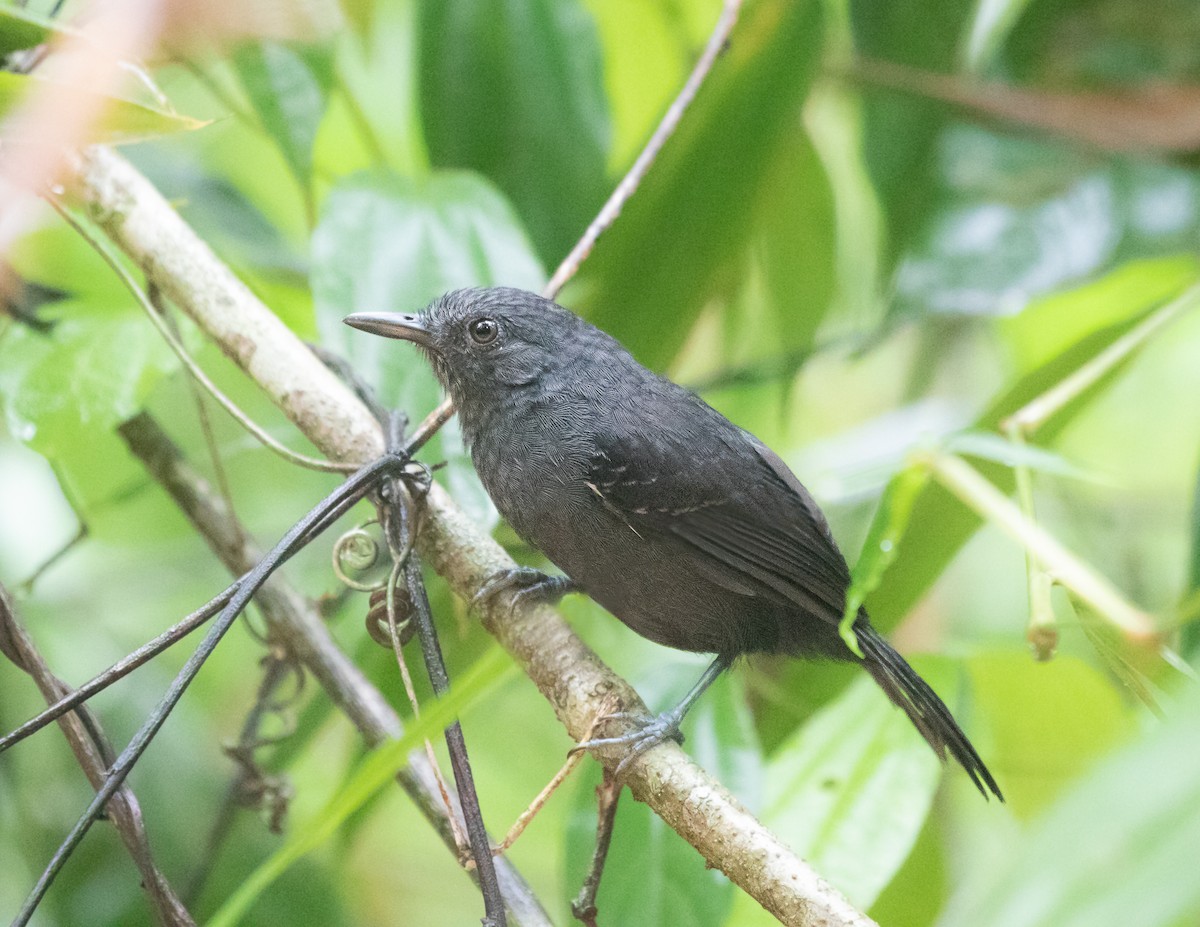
<point>926,711</point>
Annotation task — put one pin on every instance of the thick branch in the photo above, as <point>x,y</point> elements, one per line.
<point>296,622</point>
<point>571,677</point>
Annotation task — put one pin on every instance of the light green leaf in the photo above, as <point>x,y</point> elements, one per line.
<point>20,29</point>
<point>513,89</point>
<point>289,87</point>
<point>371,776</point>
<point>388,243</point>
<point>850,791</point>
<point>1047,722</point>
<point>882,543</point>
<point>92,372</point>
<point>1117,849</point>
<point>681,242</point>
<point>990,26</point>
<point>988,445</point>
<point>1049,326</point>
<point>123,121</point>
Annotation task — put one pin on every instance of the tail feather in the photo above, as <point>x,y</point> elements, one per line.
<point>926,711</point>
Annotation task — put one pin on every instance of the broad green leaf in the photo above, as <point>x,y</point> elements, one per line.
<point>988,445</point>
<point>92,372</point>
<point>940,525</point>
<point>1021,218</point>
<point>388,243</point>
<point>122,121</point>
<point>20,29</point>
<point>653,876</point>
<point>850,790</point>
<point>372,775</point>
<point>289,86</point>
<point>1117,849</point>
<point>882,543</point>
<point>1047,722</point>
<point>681,241</point>
<point>795,245</point>
<point>900,132</point>
<point>513,89</point>
<point>1050,325</point>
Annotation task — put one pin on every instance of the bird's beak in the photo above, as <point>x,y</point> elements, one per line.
<point>392,325</point>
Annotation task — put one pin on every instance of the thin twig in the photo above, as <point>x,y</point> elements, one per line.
<point>249,780</point>
<point>92,752</point>
<point>120,669</point>
<point>296,622</point>
<point>539,801</point>
<point>340,500</point>
<point>400,514</point>
<point>608,792</point>
<point>27,584</point>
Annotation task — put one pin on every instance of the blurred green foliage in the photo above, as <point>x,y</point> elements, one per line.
<point>854,274</point>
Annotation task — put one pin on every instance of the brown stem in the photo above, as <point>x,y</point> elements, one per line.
<point>607,794</point>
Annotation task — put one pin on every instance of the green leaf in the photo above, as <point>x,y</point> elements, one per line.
<point>1021,218</point>
<point>289,86</point>
<point>882,543</point>
<point>513,89</point>
<point>371,776</point>
<point>1117,849</point>
<point>993,21</point>
<point>681,241</point>
<point>92,372</point>
<point>988,445</point>
<point>850,791</point>
<point>1047,722</point>
<point>1051,325</point>
<point>20,29</point>
<point>388,243</point>
<point>795,244</point>
<point>122,122</point>
<point>940,525</point>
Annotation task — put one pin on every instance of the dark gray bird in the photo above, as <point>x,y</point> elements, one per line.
<point>683,525</point>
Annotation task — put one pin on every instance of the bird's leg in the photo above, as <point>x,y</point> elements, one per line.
<point>527,585</point>
<point>650,732</point>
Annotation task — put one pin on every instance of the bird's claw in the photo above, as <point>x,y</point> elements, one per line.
<point>646,734</point>
<point>527,586</point>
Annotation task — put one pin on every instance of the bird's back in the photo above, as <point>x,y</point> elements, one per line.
<point>622,487</point>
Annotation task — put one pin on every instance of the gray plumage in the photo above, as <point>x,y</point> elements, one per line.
<point>683,525</point>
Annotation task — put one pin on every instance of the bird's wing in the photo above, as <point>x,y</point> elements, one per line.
<point>744,509</point>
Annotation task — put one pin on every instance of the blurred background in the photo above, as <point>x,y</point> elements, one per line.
<point>882,229</point>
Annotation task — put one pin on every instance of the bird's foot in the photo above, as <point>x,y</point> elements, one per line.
<point>526,585</point>
<point>647,733</point>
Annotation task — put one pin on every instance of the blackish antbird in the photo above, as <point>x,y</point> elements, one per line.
<point>680,523</point>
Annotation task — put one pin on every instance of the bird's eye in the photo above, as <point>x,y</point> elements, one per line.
<point>483,331</point>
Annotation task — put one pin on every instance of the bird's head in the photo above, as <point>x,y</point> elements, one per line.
<point>484,343</point>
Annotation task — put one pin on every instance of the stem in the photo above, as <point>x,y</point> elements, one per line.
<point>1067,569</point>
